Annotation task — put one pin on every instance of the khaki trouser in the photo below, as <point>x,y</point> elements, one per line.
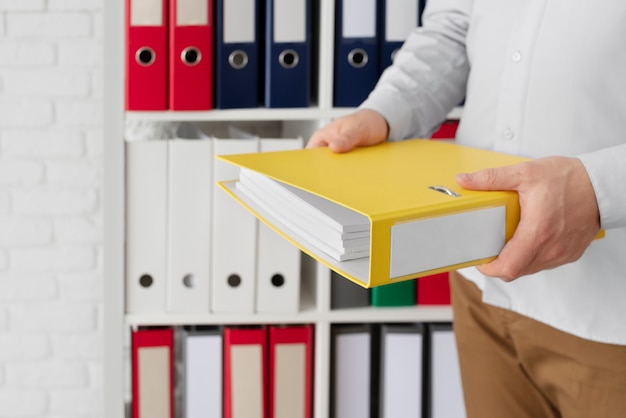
<point>516,367</point>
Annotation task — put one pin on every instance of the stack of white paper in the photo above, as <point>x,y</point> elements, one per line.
<point>338,231</point>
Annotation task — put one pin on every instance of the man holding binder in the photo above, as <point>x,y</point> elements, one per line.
<point>541,79</point>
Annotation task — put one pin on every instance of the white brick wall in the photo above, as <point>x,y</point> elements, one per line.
<point>50,208</point>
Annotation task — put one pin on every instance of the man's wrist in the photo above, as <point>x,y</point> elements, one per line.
<point>378,123</point>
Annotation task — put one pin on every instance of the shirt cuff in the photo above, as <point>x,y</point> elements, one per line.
<point>395,111</point>
<point>607,172</point>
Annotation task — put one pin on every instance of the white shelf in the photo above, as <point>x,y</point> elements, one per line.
<point>315,306</point>
<point>391,314</point>
<point>135,320</point>
<point>256,114</point>
<point>353,315</point>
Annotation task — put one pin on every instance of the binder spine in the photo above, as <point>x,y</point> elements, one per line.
<point>191,55</point>
<point>287,53</point>
<point>147,55</point>
<point>356,57</point>
<point>237,67</point>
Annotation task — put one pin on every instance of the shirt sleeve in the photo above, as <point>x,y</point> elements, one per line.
<point>429,75</point>
<point>607,170</point>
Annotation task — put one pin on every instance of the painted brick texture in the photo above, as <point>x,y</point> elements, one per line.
<point>50,208</point>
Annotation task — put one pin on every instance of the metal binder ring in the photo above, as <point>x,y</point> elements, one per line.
<point>358,58</point>
<point>146,280</point>
<point>444,190</point>
<point>191,56</point>
<point>234,280</point>
<point>145,56</point>
<point>189,281</point>
<point>288,58</point>
<point>238,59</point>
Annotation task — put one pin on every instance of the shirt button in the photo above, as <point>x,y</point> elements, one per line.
<point>517,56</point>
<point>509,134</point>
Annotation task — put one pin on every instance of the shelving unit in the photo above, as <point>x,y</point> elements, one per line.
<point>316,286</point>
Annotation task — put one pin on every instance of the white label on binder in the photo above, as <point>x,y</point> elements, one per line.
<point>290,383</point>
<point>247,381</point>
<point>400,19</point>
<point>359,18</point>
<point>352,384</point>
<point>154,382</point>
<point>239,21</point>
<point>146,12</point>
<point>289,20</point>
<point>447,398</point>
<point>203,376</point>
<point>192,12</point>
<point>402,375</point>
<point>442,241</point>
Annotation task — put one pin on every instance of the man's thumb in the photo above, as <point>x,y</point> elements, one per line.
<point>487,179</point>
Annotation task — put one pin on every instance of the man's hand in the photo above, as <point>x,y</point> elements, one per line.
<point>361,128</point>
<point>559,214</point>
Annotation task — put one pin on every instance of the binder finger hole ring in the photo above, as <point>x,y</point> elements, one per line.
<point>233,280</point>
<point>189,281</point>
<point>289,58</point>
<point>358,58</point>
<point>146,280</point>
<point>278,280</point>
<point>238,59</point>
<point>191,56</point>
<point>145,56</point>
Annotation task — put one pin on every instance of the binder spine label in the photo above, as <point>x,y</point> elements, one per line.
<point>289,21</point>
<point>146,13</point>
<point>192,12</point>
<point>476,234</point>
<point>239,21</point>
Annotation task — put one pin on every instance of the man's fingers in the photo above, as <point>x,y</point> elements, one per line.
<point>342,142</point>
<point>499,178</point>
<point>316,143</point>
<point>362,128</point>
<point>516,257</point>
<point>505,267</point>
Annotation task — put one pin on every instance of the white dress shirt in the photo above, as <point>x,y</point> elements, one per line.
<point>542,78</point>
